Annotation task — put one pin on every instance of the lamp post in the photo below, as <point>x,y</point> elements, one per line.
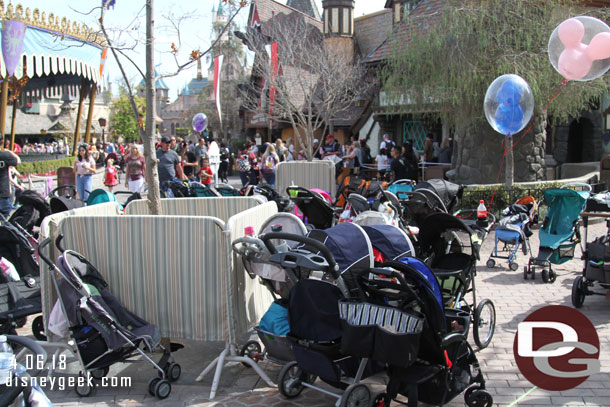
<point>102,122</point>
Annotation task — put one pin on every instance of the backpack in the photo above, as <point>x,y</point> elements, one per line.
<point>243,164</point>
<point>269,164</point>
<point>366,156</point>
<point>224,153</point>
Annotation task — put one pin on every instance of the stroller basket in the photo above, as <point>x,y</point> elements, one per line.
<point>279,347</point>
<point>376,331</point>
<point>598,261</point>
<point>563,253</point>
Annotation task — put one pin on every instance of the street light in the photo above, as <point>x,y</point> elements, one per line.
<point>102,122</point>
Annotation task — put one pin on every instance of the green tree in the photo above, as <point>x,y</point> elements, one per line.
<point>122,119</point>
<point>451,58</point>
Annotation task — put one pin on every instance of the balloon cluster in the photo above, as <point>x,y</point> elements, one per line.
<point>509,104</point>
<point>579,48</point>
<point>200,122</point>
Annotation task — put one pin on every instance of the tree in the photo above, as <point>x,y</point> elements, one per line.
<point>451,57</point>
<point>122,119</point>
<point>312,84</point>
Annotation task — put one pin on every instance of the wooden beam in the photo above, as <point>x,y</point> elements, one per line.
<point>81,99</point>
<point>3,103</point>
<point>90,114</point>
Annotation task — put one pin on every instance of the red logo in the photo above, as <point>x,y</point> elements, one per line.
<point>556,348</point>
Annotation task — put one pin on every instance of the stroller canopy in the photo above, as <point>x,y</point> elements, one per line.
<point>16,248</point>
<point>349,245</point>
<point>565,206</point>
<point>435,225</point>
<point>100,196</point>
<point>447,191</point>
<point>390,241</point>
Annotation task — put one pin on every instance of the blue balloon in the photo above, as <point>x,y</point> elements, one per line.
<point>509,119</point>
<point>509,93</point>
<point>200,122</point>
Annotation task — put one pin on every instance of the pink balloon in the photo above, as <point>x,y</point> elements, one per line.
<point>574,63</point>
<point>599,48</point>
<point>571,32</point>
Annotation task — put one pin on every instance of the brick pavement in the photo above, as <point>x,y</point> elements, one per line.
<point>513,296</point>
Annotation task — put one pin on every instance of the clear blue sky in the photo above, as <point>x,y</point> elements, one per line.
<point>195,30</point>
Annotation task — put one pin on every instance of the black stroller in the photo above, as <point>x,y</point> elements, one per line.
<point>103,331</point>
<point>22,298</point>
<point>454,265</point>
<point>32,211</point>
<point>315,209</point>
<point>403,309</point>
<point>432,196</point>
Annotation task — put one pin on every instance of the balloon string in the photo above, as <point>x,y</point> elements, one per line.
<point>509,149</point>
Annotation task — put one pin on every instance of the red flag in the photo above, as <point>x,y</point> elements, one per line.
<point>255,20</point>
<point>217,71</point>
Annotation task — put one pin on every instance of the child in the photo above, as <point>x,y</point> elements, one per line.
<point>112,178</point>
<point>205,173</point>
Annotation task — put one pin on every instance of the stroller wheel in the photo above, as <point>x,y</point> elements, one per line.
<point>479,398</point>
<point>252,350</point>
<point>290,380</point>
<point>38,329</point>
<point>525,273</point>
<point>356,395</point>
<point>151,385</point>
<point>83,390</point>
<point>552,276</point>
<point>484,323</point>
<point>545,276</point>
<point>513,266</point>
<point>173,372</point>
<point>578,293</point>
<point>491,263</point>
<point>162,389</point>
<point>378,400</point>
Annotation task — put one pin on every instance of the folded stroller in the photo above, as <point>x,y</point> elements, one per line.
<point>560,231</point>
<point>19,299</point>
<point>102,330</point>
<point>514,230</point>
<point>454,265</point>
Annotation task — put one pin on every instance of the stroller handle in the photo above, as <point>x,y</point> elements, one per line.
<point>240,246</point>
<point>577,184</point>
<point>334,268</point>
<point>43,244</point>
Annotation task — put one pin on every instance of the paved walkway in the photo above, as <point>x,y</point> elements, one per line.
<point>514,299</point>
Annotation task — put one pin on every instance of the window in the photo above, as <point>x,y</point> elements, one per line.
<point>326,21</point>
<point>346,24</point>
<point>397,10</point>
<point>335,21</point>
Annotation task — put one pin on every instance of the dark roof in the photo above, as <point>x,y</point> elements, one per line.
<point>371,30</point>
<point>404,30</point>
<point>306,6</point>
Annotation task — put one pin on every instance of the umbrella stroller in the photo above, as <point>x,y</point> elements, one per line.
<point>102,330</point>
<point>513,230</point>
<point>423,343</point>
<point>19,298</point>
<point>455,269</point>
<point>559,233</point>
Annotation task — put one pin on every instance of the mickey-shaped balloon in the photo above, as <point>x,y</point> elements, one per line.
<point>199,122</point>
<point>509,104</point>
<point>579,48</point>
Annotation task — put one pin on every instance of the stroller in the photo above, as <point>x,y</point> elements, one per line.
<point>514,230</point>
<point>317,211</point>
<point>435,363</point>
<point>102,330</point>
<point>454,265</point>
<point>32,211</point>
<point>19,299</point>
<point>63,198</point>
<point>559,233</point>
<point>432,196</point>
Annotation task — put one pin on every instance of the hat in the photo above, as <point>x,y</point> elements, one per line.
<point>165,139</point>
<point>316,140</point>
<point>386,135</point>
<point>362,140</point>
<point>330,136</point>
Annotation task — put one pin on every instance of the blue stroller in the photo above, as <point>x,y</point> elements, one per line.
<point>560,232</point>
<point>513,231</point>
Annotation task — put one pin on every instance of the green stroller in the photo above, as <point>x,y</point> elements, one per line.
<point>559,233</point>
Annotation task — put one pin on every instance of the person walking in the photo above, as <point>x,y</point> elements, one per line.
<point>7,159</point>
<point>135,168</point>
<point>84,168</point>
<point>169,163</point>
<point>269,161</point>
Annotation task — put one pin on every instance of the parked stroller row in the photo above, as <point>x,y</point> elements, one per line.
<point>352,301</point>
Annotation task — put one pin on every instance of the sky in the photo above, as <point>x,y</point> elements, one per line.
<point>126,23</point>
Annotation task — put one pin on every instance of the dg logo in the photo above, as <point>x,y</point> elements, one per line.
<point>556,348</point>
